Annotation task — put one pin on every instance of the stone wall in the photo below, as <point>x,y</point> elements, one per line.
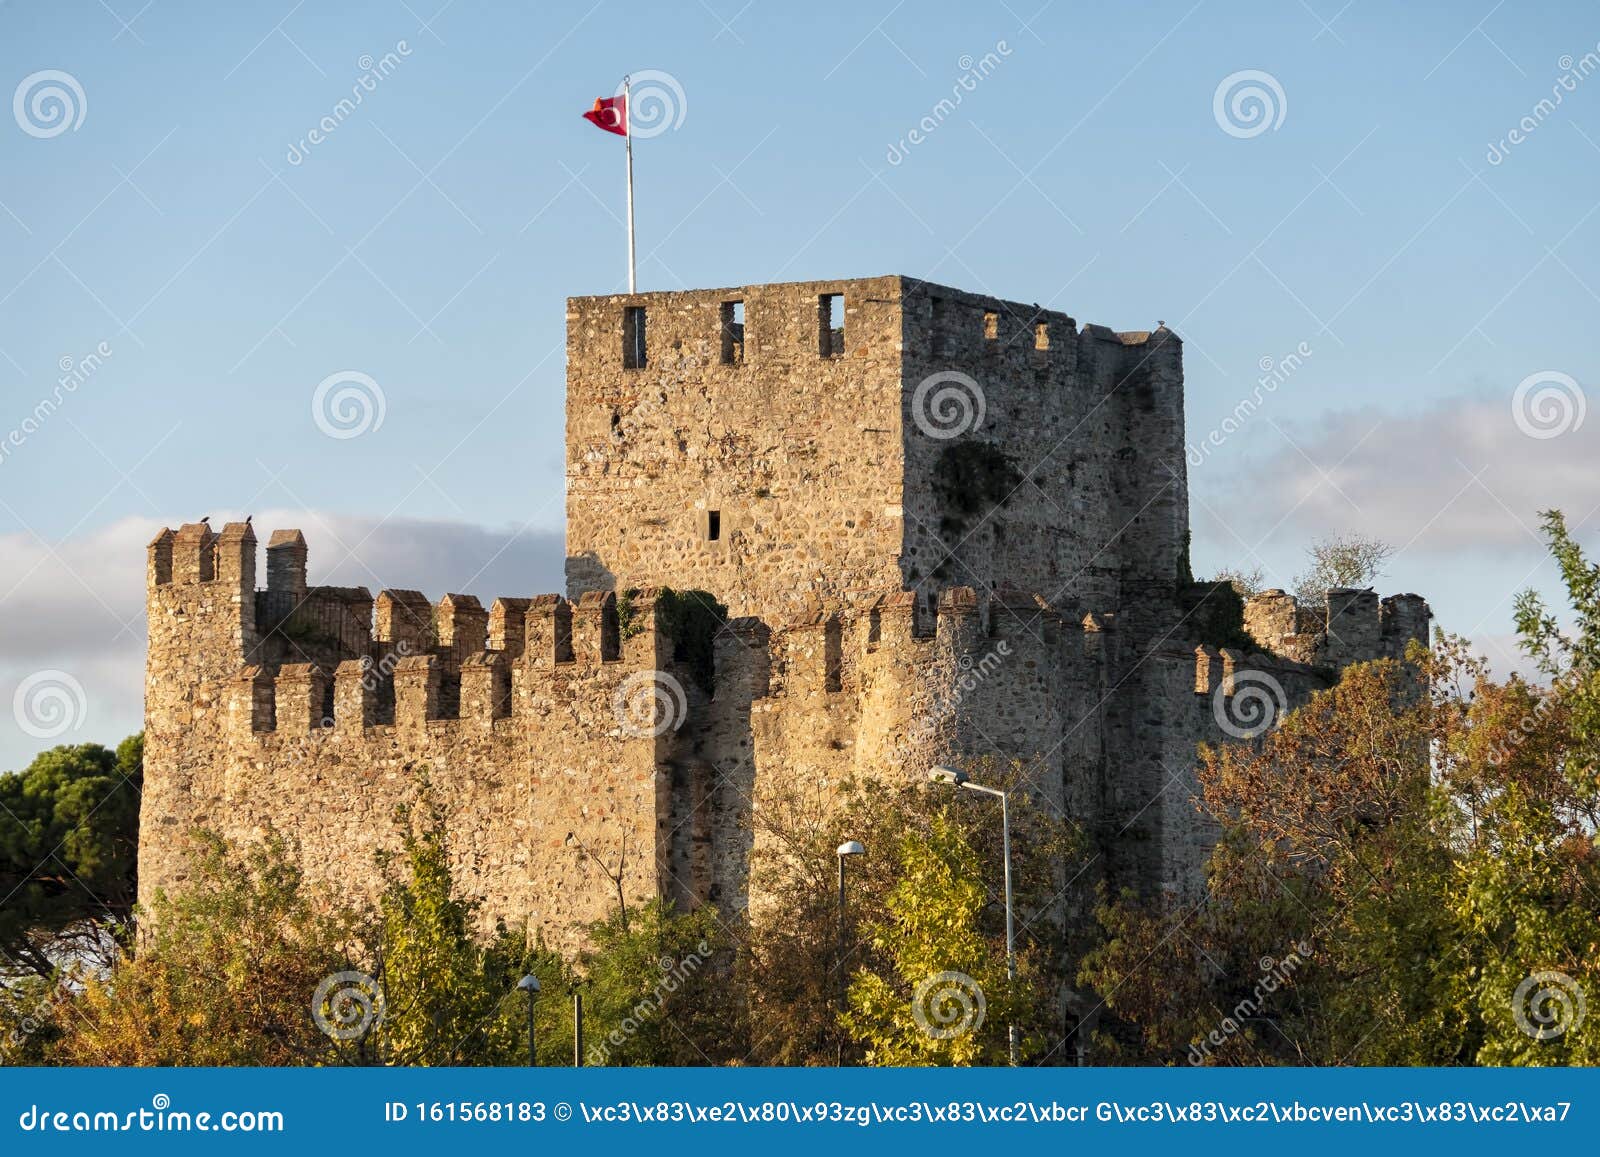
<point>837,471</point>
<point>525,748</point>
<point>798,454</point>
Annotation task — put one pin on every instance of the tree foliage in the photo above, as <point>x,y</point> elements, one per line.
<point>69,842</point>
<point>1421,840</point>
<point>796,967</point>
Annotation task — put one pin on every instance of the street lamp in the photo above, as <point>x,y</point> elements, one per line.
<point>846,850</point>
<point>530,985</point>
<point>956,778</point>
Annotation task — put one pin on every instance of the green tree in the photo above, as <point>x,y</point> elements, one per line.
<point>791,965</point>
<point>944,997</point>
<point>69,841</point>
<point>657,991</point>
<point>450,994</point>
<point>224,974</point>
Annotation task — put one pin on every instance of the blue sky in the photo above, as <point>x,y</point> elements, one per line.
<point>430,239</point>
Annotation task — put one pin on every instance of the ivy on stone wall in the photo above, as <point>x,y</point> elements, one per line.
<point>691,619</point>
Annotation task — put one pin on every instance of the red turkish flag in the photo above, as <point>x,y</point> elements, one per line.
<point>610,113</point>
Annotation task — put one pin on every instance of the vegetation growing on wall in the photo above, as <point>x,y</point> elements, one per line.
<point>691,619</point>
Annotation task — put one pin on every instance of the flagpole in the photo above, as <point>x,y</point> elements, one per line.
<point>627,124</point>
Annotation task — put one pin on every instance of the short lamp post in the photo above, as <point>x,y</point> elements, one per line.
<point>956,778</point>
<point>846,850</point>
<point>530,985</point>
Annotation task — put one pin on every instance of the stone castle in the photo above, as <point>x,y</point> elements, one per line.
<point>943,526</point>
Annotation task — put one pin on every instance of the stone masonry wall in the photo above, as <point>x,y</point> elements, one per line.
<point>798,452</point>
<point>530,757</point>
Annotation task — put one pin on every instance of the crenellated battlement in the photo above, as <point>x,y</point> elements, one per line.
<point>1351,625</point>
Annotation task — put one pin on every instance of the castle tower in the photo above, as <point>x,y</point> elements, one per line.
<point>790,445</point>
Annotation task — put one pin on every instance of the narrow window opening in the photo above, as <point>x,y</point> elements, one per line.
<point>830,324</point>
<point>713,525</point>
<point>732,333</point>
<point>634,351</point>
<point>1041,335</point>
<point>616,421</point>
<point>991,326</point>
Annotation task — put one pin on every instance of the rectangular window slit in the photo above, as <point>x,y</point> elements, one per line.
<point>634,350</point>
<point>732,333</point>
<point>991,326</point>
<point>1041,335</point>
<point>830,324</point>
<point>713,525</point>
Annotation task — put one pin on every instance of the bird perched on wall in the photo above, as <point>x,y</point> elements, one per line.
<point>206,521</point>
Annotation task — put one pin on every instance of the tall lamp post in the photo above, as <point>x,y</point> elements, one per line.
<point>956,778</point>
<point>846,850</point>
<point>530,985</point>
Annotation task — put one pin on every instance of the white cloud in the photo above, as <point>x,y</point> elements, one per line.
<point>1457,475</point>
